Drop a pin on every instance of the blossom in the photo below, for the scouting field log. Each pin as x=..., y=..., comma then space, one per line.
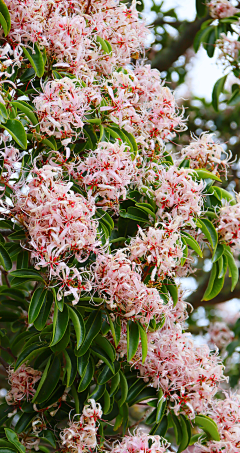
x=229, y=223
x=203, y=152
x=161, y=248
x=141, y=442
x=220, y=334
x=59, y=222
x=221, y=8
x=118, y=281
x=61, y=108
x=188, y=374
x=22, y=382
x=178, y=195
x=80, y=436
x=108, y=171
x=226, y=413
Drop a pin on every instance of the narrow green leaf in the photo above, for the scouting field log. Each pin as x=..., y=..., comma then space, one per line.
x=79, y=325
x=5, y=14
x=43, y=378
x=205, y=174
x=29, y=353
x=144, y=342
x=87, y=376
x=49, y=385
x=209, y=230
x=60, y=323
x=211, y=281
x=218, y=253
x=13, y=438
x=3, y=110
x=28, y=274
x=232, y=266
x=36, y=303
x=24, y=107
x=101, y=354
x=124, y=389
x=17, y=131
x=161, y=408
x=43, y=315
x=201, y=8
x=192, y=243
x=71, y=365
x=132, y=339
x=217, y=90
x=92, y=328
x=186, y=433
x=208, y=425
x=35, y=58
x=106, y=346
x=5, y=259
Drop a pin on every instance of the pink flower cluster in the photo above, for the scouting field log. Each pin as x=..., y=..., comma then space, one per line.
x=80, y=436
x=61, y=107
x=226, y=413
x=220, y=334
x=22, y=382
x=161, y=248
x=221, y=8
x=108, y=171
x=141, y=442
x=118, y=281
x=203, y=152
x=178, y=196
x=229, y=223
x=69, y=30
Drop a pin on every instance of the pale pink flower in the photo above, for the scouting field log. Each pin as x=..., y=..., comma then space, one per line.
x=220, y=334
x=59, y=222
x=204, y=152
x=22, y=382
x=230, y=48
x=80, y=436
x=118, y=282
x=141, y=442
x=229, y=223
x=221, y=8
x=178, y=195
x=108, y=171
x=61, y=108
x=161, y=248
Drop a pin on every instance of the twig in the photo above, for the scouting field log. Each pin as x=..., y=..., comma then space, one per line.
x=4, y=363
x=8, y=350
x=88, y=7
x=6, y=277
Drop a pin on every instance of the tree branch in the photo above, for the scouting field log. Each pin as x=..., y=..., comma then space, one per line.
x=165, y=59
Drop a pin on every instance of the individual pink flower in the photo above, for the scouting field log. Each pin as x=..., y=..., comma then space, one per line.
x=118, y=282
x=178, y=195
x=160, y=247
x=141, y=442
x=108, y=171
x=80, y=436
x=59, y=222
x=22, y=382
x=221, y=8
x=204, y=152
x=220, y=334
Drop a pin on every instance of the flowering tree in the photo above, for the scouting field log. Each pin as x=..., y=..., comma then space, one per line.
x=98, y=223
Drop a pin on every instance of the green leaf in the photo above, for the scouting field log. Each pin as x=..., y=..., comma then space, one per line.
x=177, y=427
x=144, y=342
x=132, y=339
x=161, y=428
x=107, y=402
x=209, y=230
x=217, y=90
x=71, y=366
x=87, y=376
x=205, y=174
x=211, y=281
x=60, y=323
x=48, y=437
x=50, y=384
x=13, y=438
x=224, y=194
x=134, y=214
x=101, y=354
x=106, y=46
x=17, y=131
x=106, y=346
x=79, y=325
x=124, y=389
x=192, y=243
x=92, y=328
x=41, y=320
x=5, y=18
x=82, y=363
x=5, y=259
x=218, y=253
x=115, y=329
x=161, y=408
x=201, y=8
x=186, y=433
x=43, y=378
x=28, y=274
x=63, y=343
x=36, y=303
x=28, y=353
x=201, y=37
x=3, y=110
x=114, y=383
x=35, y=58
x=232, y=266
x=208, y=425
x=23, y=422
x=24, y=107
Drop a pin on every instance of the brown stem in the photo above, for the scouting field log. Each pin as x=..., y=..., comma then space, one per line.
x=88, y=7
x=6, y=277
x=4, y=363
x=8, y=350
